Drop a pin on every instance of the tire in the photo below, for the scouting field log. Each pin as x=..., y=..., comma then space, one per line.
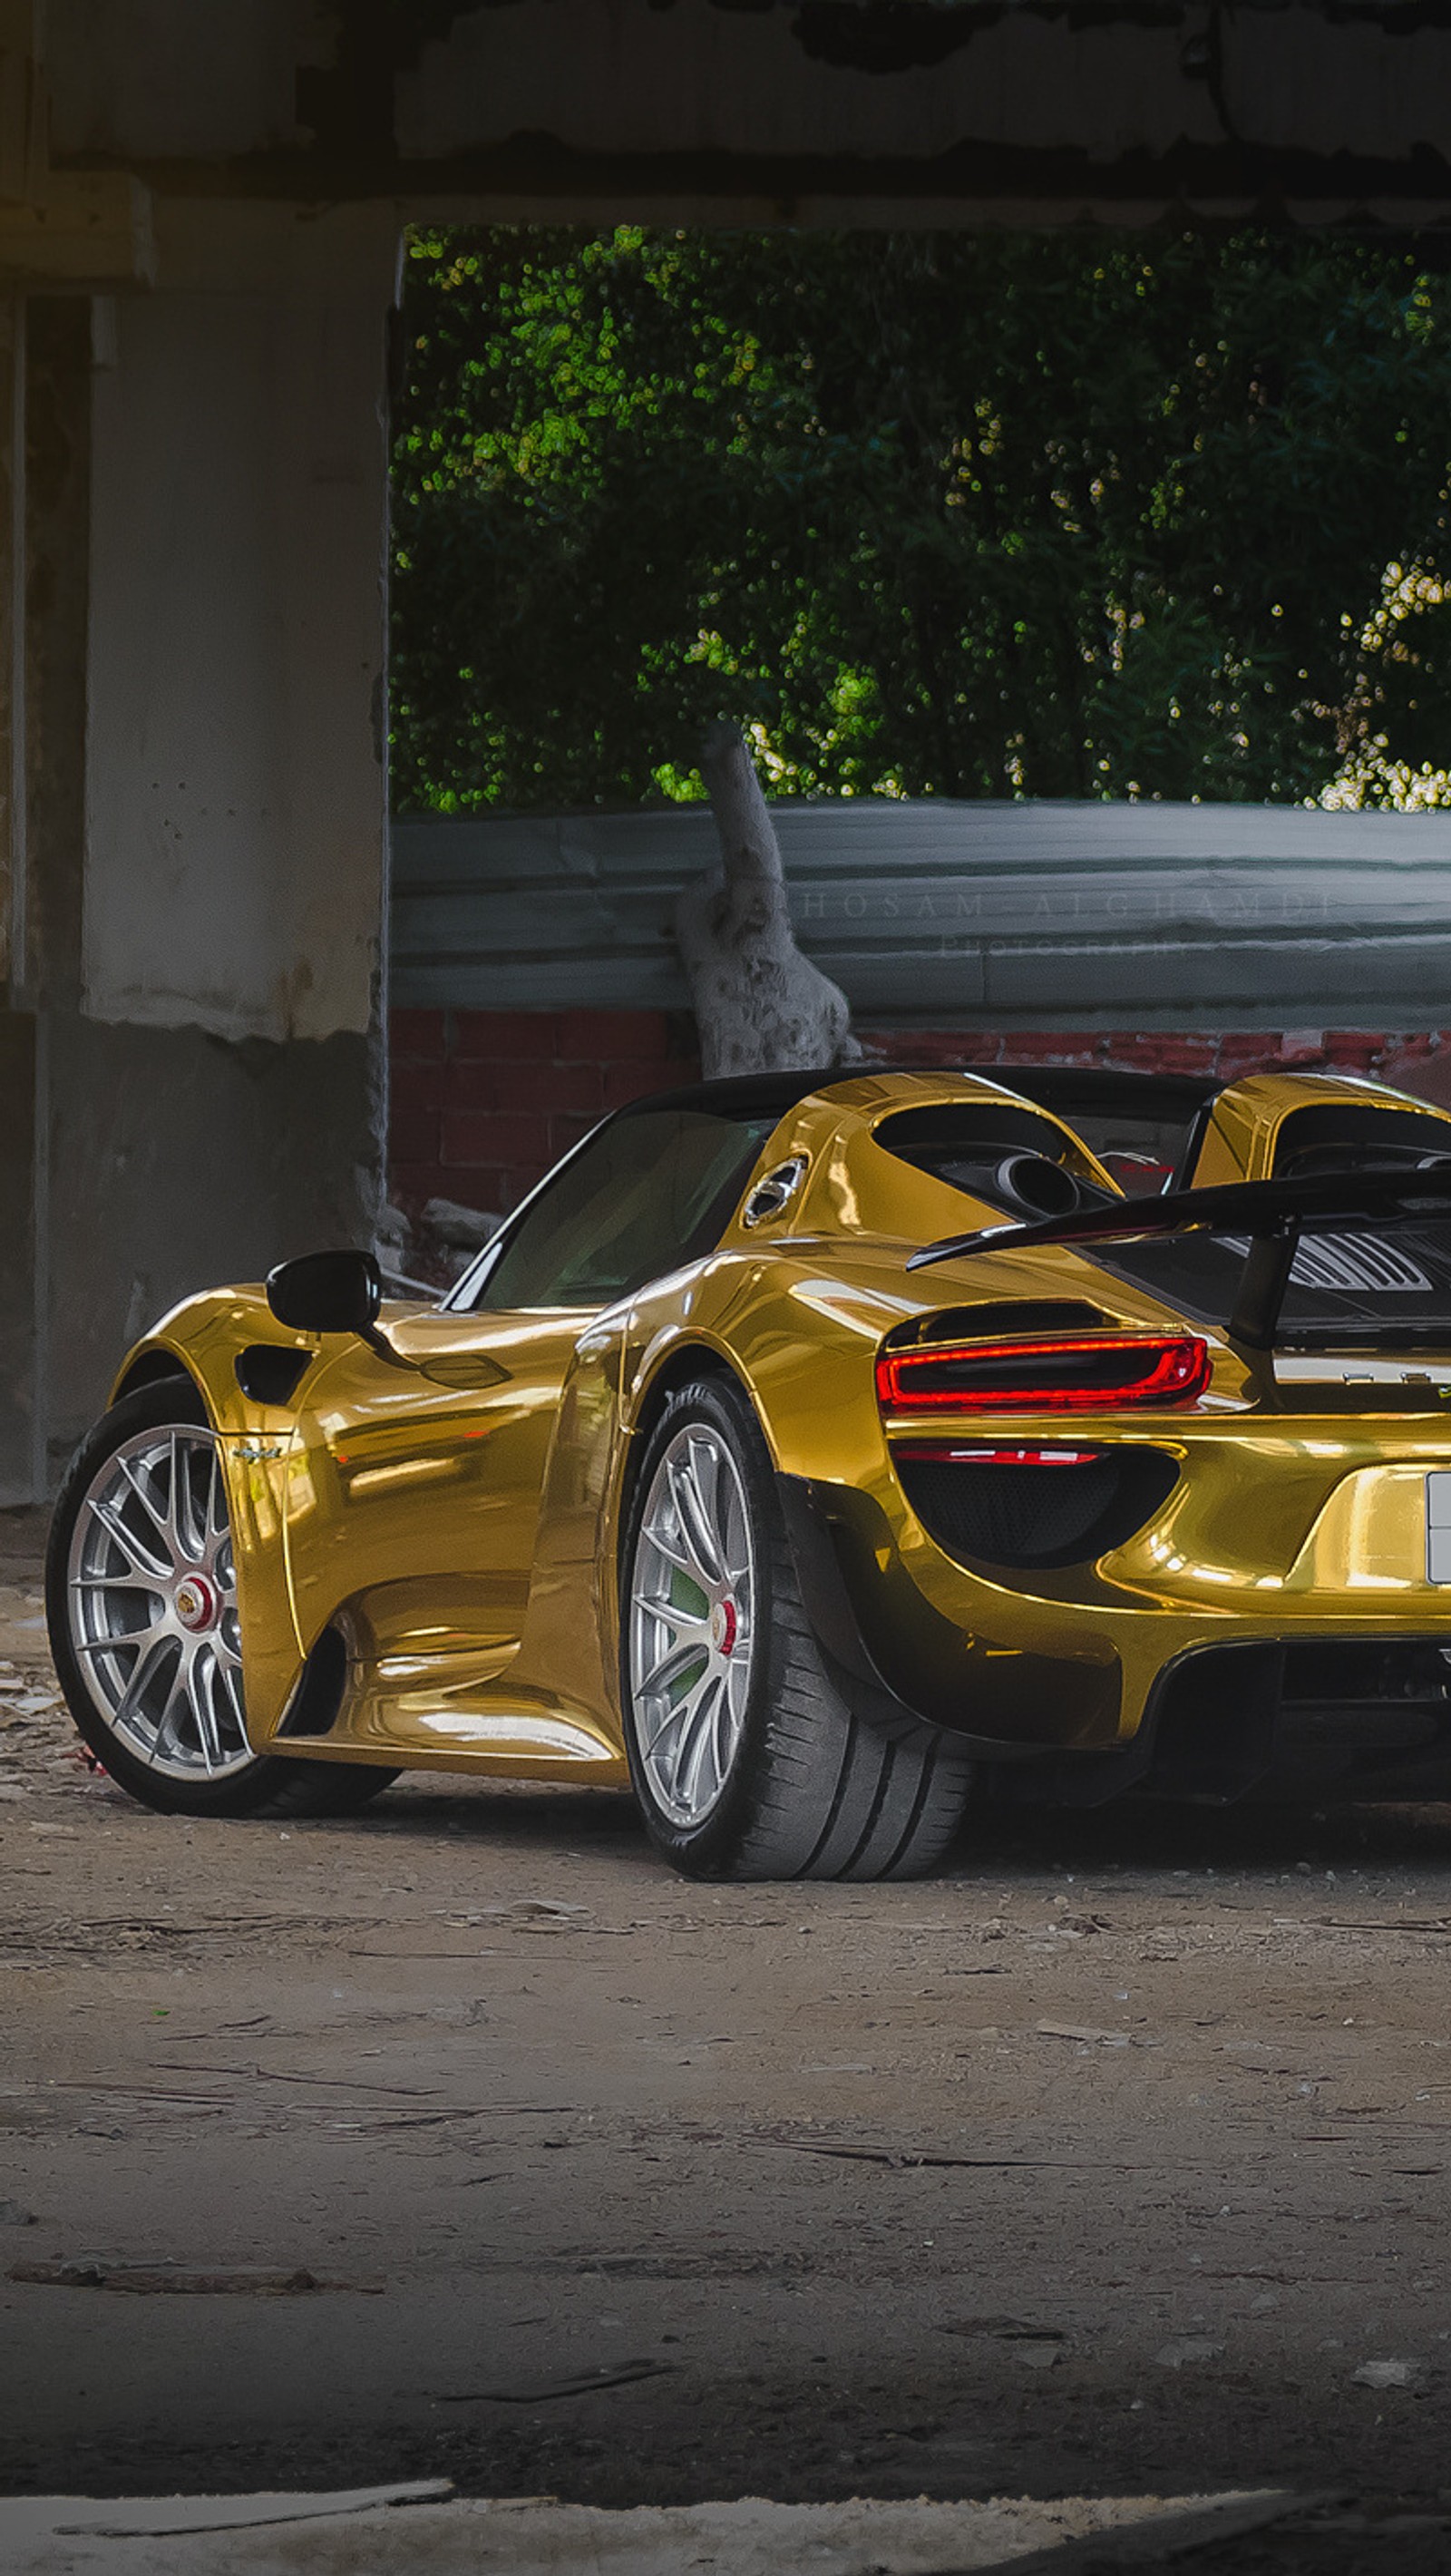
x=142, y=1517
x=746, y=1759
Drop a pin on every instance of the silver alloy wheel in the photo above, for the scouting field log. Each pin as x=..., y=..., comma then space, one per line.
x=153, y=1605
x=692, y=1623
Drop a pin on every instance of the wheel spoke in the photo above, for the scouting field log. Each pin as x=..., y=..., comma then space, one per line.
x=672, y=1548
x=675, y=1662
x=167, y=1739
x=660, y=1606
x=199, y=1683
x=108, y=1643
x=735, y=1546
x=676, y=1715
x=172, y=1504
x=695, y=1528
x=131, y=1547
x=230, y=1683
x=710, y=1477
x=678, y=1621
x=146, y=1500
x=722, y=1499
x=694, y=1748
x=190, y=1541
x=142, y=1674
x=228, y=1652
x=723, y=1730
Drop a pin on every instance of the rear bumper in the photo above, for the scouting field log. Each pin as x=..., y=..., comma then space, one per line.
x=1267, y=1720
x=904, y=1662
x=1152, y=1699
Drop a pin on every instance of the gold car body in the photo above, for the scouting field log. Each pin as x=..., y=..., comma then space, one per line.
x=453, y=1501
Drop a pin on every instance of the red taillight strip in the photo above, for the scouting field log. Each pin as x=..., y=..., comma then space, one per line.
x=1094, y=1373
x=950, y=1453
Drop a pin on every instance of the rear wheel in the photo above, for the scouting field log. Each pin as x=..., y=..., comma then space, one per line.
x=747, y=1760
x=141, y=1602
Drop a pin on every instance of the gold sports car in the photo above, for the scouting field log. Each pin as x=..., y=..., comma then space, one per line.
x=816, y=1453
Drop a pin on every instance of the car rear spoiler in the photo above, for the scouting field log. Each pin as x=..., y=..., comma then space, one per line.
x=1271, y=1214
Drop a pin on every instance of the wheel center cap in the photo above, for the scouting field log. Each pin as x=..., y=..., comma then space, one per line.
x=195, y=1601
x=723, y=1627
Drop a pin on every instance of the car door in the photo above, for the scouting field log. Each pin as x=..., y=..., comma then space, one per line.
x=414, y=1492
x=415, y=1487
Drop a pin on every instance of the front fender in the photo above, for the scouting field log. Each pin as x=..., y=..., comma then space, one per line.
x=204, y=1338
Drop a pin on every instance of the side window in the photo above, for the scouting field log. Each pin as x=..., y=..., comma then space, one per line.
x=645, y=1194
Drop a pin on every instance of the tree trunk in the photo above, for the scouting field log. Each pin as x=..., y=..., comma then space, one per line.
x=761, y=1007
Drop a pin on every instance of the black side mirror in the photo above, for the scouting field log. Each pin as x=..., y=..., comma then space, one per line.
x=327, y=1292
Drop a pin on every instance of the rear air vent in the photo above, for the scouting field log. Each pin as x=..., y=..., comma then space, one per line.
x=988, y=1503
x=318, y=1698
x=1004, y=1315
x=269, y=1373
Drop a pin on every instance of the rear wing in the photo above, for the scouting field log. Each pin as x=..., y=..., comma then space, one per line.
x=1270, y=1215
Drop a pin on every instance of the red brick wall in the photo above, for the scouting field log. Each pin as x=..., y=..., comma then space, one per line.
x=1406, y=1061
x=484, y=1101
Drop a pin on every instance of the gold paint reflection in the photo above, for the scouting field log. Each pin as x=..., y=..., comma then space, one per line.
x=402, y=1471
x=536, y=1738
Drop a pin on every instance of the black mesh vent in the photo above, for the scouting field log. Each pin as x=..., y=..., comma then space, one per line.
x=1002, y=1316
x=1362, y=1672
x=269, y=1373
x=996, y=1514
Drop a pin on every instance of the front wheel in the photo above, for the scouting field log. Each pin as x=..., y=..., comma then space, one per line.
x=141, y=1603
x=747, y=1760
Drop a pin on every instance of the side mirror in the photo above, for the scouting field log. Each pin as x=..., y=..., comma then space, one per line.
x=327, y=1292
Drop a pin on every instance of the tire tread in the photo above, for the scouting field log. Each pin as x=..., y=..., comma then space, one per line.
x=832, y=1793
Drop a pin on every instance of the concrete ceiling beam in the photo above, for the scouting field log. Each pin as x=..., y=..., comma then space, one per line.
x=783, y=111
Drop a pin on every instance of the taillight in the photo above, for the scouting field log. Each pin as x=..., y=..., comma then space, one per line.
x=977, y=1453
x=1098, y=1372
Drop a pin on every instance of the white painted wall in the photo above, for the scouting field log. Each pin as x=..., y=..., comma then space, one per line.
x=235, y=793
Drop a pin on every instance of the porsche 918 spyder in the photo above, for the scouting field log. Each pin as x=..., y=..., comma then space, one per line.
x=816, y=1453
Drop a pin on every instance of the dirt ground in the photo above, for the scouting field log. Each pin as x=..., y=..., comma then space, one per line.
x=1114, y=2161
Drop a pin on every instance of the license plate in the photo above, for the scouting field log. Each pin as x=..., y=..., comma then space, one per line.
x=1438, y=1526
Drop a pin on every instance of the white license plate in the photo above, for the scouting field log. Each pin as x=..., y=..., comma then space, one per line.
x=1438, y=1526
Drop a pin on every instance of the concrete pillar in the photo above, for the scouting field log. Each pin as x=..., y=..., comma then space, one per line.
x=21, y=1286
x=199, y=1021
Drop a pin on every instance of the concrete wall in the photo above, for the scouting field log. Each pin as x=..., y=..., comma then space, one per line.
x=234, y=856
x=192, y=1067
